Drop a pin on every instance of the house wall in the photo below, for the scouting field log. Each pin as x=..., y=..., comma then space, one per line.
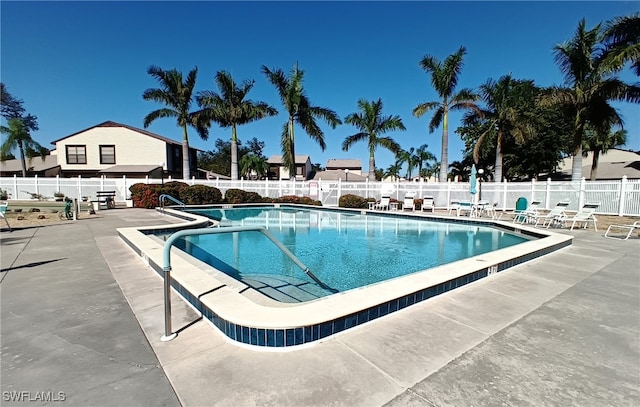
x=132, y=148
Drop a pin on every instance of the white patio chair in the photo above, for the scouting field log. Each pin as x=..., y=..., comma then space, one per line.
x=634, y=226
x=556, y=215
x=584, y=216
x=428, y=204
x=408, y=203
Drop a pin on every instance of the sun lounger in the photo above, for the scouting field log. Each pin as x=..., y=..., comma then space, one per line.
x=634, y=226
x=584, y=216
x=408, y=203
x=3, y=211
x=555, y=217
x=428, y=204
x=384, y=203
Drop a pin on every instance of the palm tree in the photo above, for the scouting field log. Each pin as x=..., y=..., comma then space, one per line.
x=230, y=109
x=393, y=171
x=423, y=156
x=19, y=137
x=622, y=39
x=591, y=86
x=407, y=156
x=300, y=111
x=251, y=163
x=600, y=138
x=444, y=78
x=460, y=170
x=503, y=115
x=176, y=94
x=372, y=125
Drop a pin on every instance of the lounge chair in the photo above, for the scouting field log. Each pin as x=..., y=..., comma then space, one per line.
x=584, y=216
x=384, y=203
x=634, y=226
x=408, y=203
x=428, y=204
x=530, y=214
x=555, y=217
x=465, y=206
x=3, y=211
x=454, y=206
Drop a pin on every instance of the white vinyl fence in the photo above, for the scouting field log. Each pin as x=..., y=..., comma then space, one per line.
x=618, y=197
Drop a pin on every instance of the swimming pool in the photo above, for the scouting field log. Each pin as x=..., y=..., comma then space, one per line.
x=364, y=249
x=248, y=318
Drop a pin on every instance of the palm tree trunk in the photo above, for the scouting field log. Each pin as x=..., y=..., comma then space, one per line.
x=499, y=157
x=576, y=167
x=22, y=159
x=594, y=165
x=234, y=153
x=372, y=168
x=444, y=160
x=292, y=151
x=186, y=167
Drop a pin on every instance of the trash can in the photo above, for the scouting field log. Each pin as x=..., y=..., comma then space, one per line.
x=521, y=206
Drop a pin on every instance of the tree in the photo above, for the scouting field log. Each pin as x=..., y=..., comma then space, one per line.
x=19, y=137
x=300, y=111
x=599, y=140
x=590, y=86
x=230, y=109
x=423, y=156
x=11, y=108
x=177, y=95
x=372, y=125
x=460, y=169
x=393, y=171
x=622, y=41
x=444, y=78
x=407, y=156
x=251, y=164
x=219, y=160
x=507, y=103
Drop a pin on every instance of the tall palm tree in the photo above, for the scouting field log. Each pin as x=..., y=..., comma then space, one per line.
x=407, y=156
x=423, y=156
x=393, y=171
x=590, y=86
x=177, y=95
x=372, y=125
x=622, y=39
x=444, y=78
x=19, y=137
x=230, y=109
x=460, y=169
x=503, y=115
x=300, y=111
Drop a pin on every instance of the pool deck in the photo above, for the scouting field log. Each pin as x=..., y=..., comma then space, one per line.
x=83, y=315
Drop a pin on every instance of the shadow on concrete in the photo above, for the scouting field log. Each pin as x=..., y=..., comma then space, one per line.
x=28, y=265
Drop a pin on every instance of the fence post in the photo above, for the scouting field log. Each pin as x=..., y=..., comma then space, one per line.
x=533, y=189
x=241, y=182
x=581, y=193
x=193, y=180
x=504, y=195
x=623, y=197
x=35, y=184
x=279, y=188
x=398, y=188
x=58, y=183
x=80, y=187
x=266, y=187
x=339, y=188
x=102, y=183
x=124, y=187
x=15, y=186
x=146, y=179
x=547, y=196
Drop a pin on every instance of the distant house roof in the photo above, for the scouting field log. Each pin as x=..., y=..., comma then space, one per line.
x=36, y=164
x=614, y=164
x=141, y=131
x=277, y=159
x=130, y=169
x=212, y=175
x=334, y=175
x=336, y=164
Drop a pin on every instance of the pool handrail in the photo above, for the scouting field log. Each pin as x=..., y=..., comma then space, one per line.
x=166, y=263
x=162, y=197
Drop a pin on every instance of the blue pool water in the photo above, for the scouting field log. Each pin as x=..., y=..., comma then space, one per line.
x=344, y=250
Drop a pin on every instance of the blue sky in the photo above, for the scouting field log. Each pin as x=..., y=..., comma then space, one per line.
x=77, y=64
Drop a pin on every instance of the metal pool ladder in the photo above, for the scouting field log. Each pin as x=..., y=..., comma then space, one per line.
x=166, y=264
x=162, y=197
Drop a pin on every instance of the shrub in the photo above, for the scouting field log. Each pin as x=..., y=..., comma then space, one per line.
x=173, y=188
x=304, y=200
x=417, y=203
x=352, y=201
x=4, y=195
x=234, y=196
x=200, y=194
x=145, y=197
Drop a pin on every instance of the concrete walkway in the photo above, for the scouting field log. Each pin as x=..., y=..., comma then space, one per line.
x=82, y=315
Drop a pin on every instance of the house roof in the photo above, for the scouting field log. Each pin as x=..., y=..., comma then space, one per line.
x=110, y=123
x=50, y=161
x=614, y=164
x=130, y=169
x=335, y=163
x=211, y=175
x=277, y=159
x=334, y=175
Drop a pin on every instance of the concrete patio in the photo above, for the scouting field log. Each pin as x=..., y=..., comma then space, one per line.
x=82, y=317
